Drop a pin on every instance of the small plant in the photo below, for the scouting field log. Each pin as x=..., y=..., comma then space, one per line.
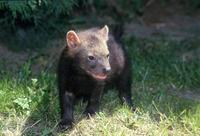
x=23, y=102
x=33, y=11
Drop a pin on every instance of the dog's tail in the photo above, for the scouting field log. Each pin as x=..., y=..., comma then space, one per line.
x=118, y=31
x=118, y=26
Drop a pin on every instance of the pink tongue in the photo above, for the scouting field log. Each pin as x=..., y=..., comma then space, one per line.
x=100, y=76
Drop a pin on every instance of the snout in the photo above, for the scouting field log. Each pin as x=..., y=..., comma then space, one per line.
x=106, y=70
x=100, y=74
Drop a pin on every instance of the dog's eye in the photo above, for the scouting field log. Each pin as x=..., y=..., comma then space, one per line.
x=107, y=56
x=91, y=58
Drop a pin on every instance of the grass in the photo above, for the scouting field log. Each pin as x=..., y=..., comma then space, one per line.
x=29, y=103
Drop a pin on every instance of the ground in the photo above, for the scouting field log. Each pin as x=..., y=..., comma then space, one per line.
x=166, y=86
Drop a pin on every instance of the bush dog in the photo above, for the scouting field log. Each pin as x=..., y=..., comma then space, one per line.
x=91, y=60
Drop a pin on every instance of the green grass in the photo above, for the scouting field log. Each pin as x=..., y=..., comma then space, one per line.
x=29, y=103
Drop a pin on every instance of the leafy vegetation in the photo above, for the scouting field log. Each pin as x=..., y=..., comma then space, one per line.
x=33, y=12
x=29, y=103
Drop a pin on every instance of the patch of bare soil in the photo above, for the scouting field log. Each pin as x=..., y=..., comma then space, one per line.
x=170, y=21
x=12, y=60
x=39, y=60
x=176, y=27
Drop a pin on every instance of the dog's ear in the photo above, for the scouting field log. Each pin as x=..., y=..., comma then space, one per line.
x=104, y=32
x=72, y=39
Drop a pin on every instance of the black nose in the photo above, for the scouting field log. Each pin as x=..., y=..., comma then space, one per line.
x=106, y=70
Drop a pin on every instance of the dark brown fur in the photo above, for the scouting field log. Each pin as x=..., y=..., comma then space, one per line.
x=76, y=71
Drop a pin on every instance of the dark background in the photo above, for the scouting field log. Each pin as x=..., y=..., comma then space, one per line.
x=22, y=19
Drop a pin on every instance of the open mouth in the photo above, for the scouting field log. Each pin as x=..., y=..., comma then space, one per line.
x=99, y=76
